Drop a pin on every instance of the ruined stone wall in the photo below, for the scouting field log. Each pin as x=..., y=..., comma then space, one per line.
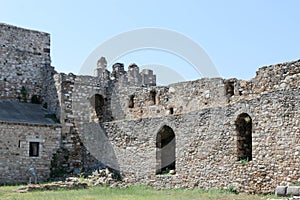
x=14, y=146
x=202, y=115
x=114, y=119
x=206, y=145
x=268, y=78
x=137, y=102
x=76, y=99
x=25, y=66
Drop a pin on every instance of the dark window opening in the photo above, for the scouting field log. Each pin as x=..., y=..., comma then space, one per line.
x=153, y=97
x=165, y=150
x=171, y=111
x=34, y=149
x=19, y=144
x=243, y=125
x=131, y=102
x=229, y=87
x=97, y=102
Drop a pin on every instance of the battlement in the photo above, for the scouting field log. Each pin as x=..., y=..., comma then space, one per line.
x=132, y=77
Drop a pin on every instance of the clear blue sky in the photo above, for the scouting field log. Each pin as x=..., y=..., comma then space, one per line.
x=239, y=36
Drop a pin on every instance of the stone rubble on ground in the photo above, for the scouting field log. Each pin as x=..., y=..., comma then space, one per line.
x=70, y=183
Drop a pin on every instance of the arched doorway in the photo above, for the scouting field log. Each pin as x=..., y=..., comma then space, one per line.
x=165, y=150
x=243, y=126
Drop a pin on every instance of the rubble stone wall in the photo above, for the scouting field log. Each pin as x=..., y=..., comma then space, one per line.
x=202, y=114
x=206, y=146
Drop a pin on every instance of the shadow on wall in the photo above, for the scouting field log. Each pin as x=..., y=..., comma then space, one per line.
x=98, y=145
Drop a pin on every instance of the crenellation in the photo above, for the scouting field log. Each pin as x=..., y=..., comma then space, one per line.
x=134, y=76
x=148, y=78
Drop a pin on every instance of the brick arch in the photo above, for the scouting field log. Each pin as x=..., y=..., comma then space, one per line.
x=165, y=150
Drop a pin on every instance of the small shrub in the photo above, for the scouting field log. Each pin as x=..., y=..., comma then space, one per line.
x=244, y=161
x=36, y=99
x=53, y=117
x=232, y=190
x=24, y=93
x=45, y=105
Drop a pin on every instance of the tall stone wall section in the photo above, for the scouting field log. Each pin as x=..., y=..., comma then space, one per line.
x=14, y=146
x=76, y=98
x=25, y=66
x=206, y=146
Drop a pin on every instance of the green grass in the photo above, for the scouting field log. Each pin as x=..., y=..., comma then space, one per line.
x=134, y=192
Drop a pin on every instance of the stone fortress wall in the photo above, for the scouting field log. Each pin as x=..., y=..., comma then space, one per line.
x=213, y=132
x=203, y=115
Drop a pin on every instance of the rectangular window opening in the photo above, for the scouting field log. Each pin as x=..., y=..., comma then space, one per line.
x=34, y=149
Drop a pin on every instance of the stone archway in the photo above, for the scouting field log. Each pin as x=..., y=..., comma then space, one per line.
x=165, y=150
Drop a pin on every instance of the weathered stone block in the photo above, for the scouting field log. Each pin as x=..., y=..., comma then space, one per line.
x=280, y=190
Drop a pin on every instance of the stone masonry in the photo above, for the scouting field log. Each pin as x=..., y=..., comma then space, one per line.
x=207, y=133
x=14, y=147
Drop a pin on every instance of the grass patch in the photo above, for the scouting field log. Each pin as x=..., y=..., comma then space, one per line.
x=133, y=192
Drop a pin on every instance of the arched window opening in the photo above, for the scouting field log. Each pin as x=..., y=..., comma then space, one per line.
x=165, y=150
x=153, y=97
x=131, y=102
x=97, y=102
x=171, y=110
x=229, y=87
x=243, y=126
